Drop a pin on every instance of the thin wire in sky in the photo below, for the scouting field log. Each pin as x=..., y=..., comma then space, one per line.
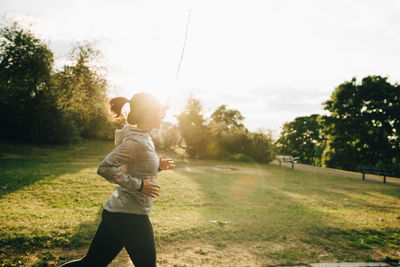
x=178, y=70
x=184, y=44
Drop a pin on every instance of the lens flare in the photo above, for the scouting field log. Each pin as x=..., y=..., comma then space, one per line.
x=246, y=183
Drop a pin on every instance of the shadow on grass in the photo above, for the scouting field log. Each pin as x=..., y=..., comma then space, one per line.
x=23, y=164
x=81, y=236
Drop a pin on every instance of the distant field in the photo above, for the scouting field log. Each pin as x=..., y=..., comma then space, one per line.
x=207, y=215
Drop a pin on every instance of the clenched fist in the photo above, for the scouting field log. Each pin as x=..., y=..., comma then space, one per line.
x=166, y=164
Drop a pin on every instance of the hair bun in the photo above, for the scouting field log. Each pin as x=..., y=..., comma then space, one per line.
x=116, y=105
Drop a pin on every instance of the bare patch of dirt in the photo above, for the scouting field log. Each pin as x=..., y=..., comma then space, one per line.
x=192, y=253
x=181, y=253
x=197, y=253
x=230, y=169
x=194, y=170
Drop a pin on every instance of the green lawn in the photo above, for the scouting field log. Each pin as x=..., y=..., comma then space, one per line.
x=254, y=215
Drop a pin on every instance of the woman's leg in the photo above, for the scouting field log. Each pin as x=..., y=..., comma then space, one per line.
x=136, y=234
x=104, y=248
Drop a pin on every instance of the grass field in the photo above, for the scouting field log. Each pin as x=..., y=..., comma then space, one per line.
x=207, y=215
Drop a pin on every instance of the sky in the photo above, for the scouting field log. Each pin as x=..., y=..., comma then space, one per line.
x=271, y=60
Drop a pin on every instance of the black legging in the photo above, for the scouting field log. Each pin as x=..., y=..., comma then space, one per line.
x=118, y=230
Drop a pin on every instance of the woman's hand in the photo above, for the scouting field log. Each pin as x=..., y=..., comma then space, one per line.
x=166, y=164
x=150, y=189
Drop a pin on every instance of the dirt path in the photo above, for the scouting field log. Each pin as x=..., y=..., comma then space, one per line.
x=197, y=253
x=355, y=175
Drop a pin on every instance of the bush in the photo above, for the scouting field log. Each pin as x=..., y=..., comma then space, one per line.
x=45, y=123
x=168, y=137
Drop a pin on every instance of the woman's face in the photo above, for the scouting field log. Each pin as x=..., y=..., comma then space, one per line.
x=155, y=116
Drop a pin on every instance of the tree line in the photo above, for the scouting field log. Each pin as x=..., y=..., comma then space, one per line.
x=221, y=136
x=362, y=128
x=42, y=104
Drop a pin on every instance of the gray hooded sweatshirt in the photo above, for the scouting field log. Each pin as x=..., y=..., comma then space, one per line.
x=133, y=159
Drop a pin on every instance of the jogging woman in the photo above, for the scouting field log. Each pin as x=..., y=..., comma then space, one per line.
x=132, y=165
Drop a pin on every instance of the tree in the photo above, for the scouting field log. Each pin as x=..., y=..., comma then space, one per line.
x=364, y=124
x=25, y=62
x=191, y=124
x=303, y=138
x=28, y=108
x=228, y=133
x=229, y=118
x=81, y=89
x=259, y=147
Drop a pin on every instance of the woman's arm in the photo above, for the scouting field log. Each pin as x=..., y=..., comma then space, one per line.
x=123, y=154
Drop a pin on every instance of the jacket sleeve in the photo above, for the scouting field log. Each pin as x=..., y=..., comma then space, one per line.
x=124, y=154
